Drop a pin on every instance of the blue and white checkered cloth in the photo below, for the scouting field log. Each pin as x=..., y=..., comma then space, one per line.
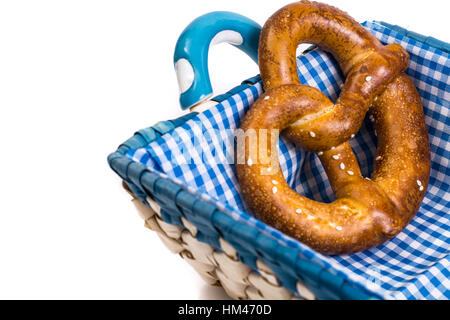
x=413, y=265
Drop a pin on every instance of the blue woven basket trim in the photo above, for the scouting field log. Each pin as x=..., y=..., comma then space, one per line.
x=179, y=121
x=431, y=71
x=250, y=218
x=148, y=180
x=134, y=173
x=224, y=223
x=253, y=80
x=186, y=201
x=286, y=279
x=230, y=93
x=147, y=135
x=120, y=165
x=163, y=127
x=262, y=246
x=112, y=159
x=206, y=238
x=246, y=241
x=166, y=189
x=249, y=260
x=137, y=192
x=203, y=209
x=330, y=281
x=244, y=85
x=169, y=218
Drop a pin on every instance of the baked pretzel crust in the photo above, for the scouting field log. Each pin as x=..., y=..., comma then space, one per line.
x=367, y=212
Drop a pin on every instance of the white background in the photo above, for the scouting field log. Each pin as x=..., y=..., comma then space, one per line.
x=77, y=78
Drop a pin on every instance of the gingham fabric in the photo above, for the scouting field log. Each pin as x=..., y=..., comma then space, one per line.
x=413, y=265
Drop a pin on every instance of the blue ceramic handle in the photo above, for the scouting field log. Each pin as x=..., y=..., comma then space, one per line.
x=191, y=51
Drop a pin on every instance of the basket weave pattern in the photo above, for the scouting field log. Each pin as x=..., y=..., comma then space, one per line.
x=220, y=248
x=253, y=262
x=217, y=268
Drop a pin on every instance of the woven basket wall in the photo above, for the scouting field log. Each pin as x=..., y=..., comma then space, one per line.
x=217, y=268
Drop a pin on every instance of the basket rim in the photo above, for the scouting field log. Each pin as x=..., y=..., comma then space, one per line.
x=144, y=182
x=318, y=275
x=141, y=181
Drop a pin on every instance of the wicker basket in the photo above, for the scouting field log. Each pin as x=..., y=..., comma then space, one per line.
x=224, y=251
x=216, y=267
x=177, y=216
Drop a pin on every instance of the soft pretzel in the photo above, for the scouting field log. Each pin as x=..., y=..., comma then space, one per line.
x=367, y=211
